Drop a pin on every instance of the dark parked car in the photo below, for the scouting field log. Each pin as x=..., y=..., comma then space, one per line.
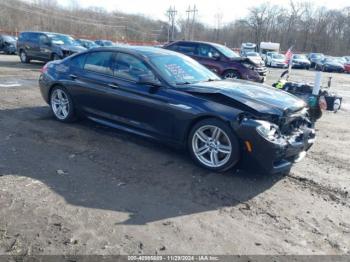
x=88, y=44
x=315, y=58
x=8, y=44
x=221, y=60
x=44, y=46
x=330, y=64
x=168, y=96
x=104, y=43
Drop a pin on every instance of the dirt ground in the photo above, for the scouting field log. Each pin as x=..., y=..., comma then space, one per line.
x=86, y=189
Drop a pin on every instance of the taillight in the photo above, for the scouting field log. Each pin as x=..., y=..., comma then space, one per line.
x=44, y=68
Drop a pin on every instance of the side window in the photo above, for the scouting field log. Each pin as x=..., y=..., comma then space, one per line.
x=99, y=62
x=33, y=37
x=207, y=51
x=173, y=47
x=130, y=67
x=78, y=61
x=43, y=39
x=187, y=48
x=23, y=37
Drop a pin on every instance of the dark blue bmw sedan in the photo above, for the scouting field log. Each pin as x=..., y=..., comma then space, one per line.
x=168, y=96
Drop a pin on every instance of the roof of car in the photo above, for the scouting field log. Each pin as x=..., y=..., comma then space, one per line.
x=139, y=50
x=194, y=42
x=41, y=32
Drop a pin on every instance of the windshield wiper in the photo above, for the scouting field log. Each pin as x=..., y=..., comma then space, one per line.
x=210, y=80
x=183, y=83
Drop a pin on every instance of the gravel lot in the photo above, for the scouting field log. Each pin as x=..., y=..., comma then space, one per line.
x=87, y=189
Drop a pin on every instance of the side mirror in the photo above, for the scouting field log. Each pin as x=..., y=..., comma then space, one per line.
x=216, y=56
x=149, y=80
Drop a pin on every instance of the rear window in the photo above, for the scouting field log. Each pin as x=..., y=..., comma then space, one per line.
x=99, y=62
x=185, y=48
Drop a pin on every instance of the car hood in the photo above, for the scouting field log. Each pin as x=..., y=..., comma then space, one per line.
x=258, y=97
x=256, y=60
x=73, y=48
x=279, y=60
x=301, y=61
x=244, y=59
x=315, y=59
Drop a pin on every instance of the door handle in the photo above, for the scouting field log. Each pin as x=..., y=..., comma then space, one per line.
x=113, y=86
x=73, y=76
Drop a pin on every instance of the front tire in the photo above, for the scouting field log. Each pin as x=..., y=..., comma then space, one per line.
x=213, y=145
x=231, y=74
x=62, y=105
x=24, y=58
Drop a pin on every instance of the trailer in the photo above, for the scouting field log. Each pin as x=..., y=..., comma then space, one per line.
x=248, y=47
x=268, y=47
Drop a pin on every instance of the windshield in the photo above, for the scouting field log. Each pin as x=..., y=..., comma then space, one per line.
x=317, y=56
x=329, y=59
x=278, y=56
x=62, y=39
x=180, y=70
x=252, y=54
x=341, y=59
x=226, y=51
x=107, y=43
x=299, y=57
x=89, y=44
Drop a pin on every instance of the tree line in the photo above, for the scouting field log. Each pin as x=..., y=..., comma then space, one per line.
x=306, y=27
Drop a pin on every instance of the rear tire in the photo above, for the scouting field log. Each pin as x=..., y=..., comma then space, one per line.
x=62, y=105
x=213, y=145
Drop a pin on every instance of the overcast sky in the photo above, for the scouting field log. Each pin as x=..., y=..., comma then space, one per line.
x=230, y=9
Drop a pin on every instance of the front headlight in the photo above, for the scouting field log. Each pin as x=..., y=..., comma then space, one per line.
x=268, y=130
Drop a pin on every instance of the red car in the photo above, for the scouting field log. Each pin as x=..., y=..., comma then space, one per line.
x=221, y=60
x=347, y=68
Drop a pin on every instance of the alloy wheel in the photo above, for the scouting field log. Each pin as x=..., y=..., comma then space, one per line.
x=211, y=146
x=23, y=56
x=60, y=104
x=231, y=75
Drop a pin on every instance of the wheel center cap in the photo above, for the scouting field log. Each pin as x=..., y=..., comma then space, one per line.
x=212, y=145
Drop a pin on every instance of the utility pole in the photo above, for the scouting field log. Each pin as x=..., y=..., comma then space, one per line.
x=194, y=11
x=171, y=13
x=187, y=29
x=126, y=33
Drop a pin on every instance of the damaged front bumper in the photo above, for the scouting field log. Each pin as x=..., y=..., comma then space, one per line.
x=273, y=156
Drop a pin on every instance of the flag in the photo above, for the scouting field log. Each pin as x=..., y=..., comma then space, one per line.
x=289, y=55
